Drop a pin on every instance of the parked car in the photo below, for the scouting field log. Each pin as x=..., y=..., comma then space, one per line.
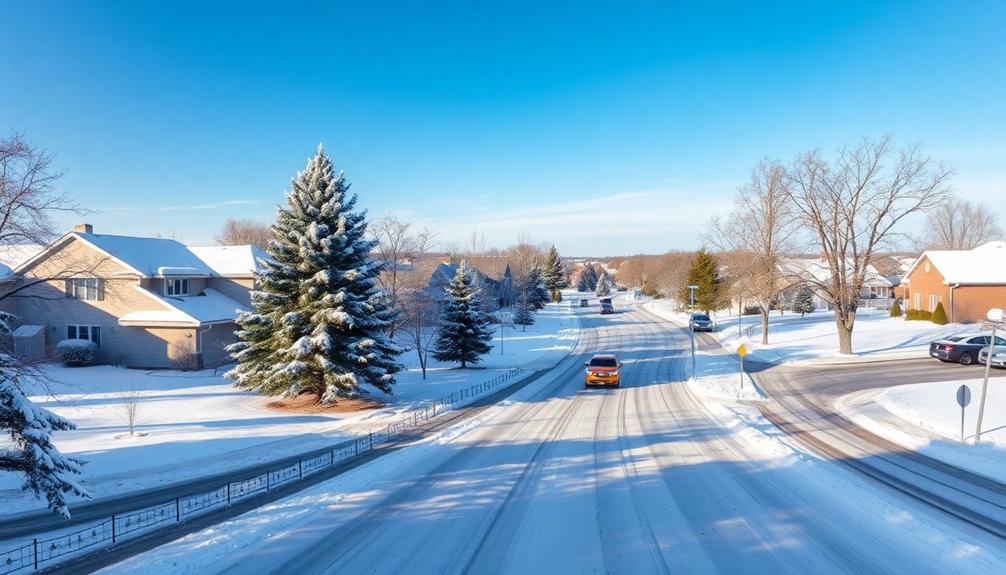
x=583, y=302
x=961, y=349
x=998, y=356
x=602, y=369
x=701, y=322
x=607, y=308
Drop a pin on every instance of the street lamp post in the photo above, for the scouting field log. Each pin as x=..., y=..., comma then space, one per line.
x=995, y=316
x=691, y=328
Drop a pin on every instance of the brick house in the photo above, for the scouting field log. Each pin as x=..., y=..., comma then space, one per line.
x=145, y=302
x=967, y=282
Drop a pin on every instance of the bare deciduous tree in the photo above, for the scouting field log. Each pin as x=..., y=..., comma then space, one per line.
x=959, y=224
x=399, y=249
x=241, y=232
x=130, y=406
x=760, y=230
x=852, y=206
x=28, y=195
x=418, y=310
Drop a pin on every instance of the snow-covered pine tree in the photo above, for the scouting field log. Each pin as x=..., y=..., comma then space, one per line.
x=464, y=330
x=29, y=450
x=803, y=300
x=554, y=275
x=582, y=281
x=537, y=293
x=319, y=323
x=591, y=277
x=523, y=314
x=603, y=285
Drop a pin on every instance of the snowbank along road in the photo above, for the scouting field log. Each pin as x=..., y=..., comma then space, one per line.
x=560, y=479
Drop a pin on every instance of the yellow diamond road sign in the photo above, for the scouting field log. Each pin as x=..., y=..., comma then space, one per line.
x=741, y=350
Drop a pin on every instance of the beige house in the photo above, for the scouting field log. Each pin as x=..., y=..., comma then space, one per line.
x=145, y=302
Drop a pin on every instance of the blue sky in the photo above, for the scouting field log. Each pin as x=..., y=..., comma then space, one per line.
x=604, y=128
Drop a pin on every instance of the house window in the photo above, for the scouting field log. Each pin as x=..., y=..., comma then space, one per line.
x=933, y=300
x=176, y=286
x=89, y=289
x=88, y=332
x=918, y=301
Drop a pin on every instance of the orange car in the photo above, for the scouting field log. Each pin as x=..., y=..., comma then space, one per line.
x=602, y=369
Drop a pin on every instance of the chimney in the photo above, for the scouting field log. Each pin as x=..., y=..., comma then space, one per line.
x=84, y=228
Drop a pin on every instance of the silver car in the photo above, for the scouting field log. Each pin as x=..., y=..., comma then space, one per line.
x=998, y=356
x=701, y=322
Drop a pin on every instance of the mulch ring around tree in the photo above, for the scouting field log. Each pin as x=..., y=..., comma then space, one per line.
x=308, y=403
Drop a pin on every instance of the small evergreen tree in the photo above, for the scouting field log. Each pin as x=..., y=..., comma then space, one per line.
x=464, y=330
x=318, y=323
x=603, y=285
x=940, y=315
x=896, y=309
x=704, y=272
x=582, y=281
x=803, y=300
x=523, y=314
x=554, y=275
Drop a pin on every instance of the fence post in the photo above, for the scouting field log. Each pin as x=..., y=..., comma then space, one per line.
x=113, y=529
x=268, y=481
x=178, y=510
x=35, y=550
x=228, y=494
x=370, y=440
x=300, y=468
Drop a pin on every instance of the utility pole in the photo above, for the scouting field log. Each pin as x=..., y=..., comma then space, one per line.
x=995, y=316
x=691, y=328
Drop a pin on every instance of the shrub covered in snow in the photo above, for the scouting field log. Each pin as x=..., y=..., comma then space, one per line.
x=76, y=351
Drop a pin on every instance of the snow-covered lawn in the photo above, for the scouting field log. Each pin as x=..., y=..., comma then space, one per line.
x=926, y=417
x=194, y=424
x=814, y=337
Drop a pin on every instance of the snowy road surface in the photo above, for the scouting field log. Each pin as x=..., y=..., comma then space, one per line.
x=642, y=479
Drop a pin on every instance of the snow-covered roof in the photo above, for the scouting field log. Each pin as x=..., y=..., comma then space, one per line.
x=146, y=255
x=157, y=257
x=11, y=256
x=817, y=270
x=209, y=307
x=231, y=260
x=985, y=264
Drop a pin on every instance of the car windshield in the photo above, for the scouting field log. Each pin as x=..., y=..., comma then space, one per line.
x=701, y=317
x=603, y=362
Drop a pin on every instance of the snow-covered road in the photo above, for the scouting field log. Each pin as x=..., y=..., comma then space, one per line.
x=642, y=479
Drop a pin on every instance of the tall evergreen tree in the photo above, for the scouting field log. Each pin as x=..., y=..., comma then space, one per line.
x=464, y=330
x=319, y=323
x=803, y=300
x=534, y=288
x=582, y=281
x=603, y=285
x=704, y=272
x=591, y=277
x=554, y=275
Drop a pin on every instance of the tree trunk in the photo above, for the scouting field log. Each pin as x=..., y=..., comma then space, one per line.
x=844, y=320
x=764, y=325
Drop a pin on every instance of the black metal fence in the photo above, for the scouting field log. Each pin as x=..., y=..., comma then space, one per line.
x=44, y=551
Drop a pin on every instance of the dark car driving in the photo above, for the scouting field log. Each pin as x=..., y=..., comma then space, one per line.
x=961, y=349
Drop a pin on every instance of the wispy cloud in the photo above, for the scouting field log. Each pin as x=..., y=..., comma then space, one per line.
x=651, y=217
x=181, y=207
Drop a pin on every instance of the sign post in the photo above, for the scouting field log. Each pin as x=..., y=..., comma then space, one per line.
x=963, y=399
x=742, y=351
x=995, y=315
x=691, y=327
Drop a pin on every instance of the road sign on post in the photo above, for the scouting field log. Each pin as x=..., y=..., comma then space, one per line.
x=742, y=351
x=963, y=399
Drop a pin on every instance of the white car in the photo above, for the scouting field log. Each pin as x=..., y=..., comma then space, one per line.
x=998, y=356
